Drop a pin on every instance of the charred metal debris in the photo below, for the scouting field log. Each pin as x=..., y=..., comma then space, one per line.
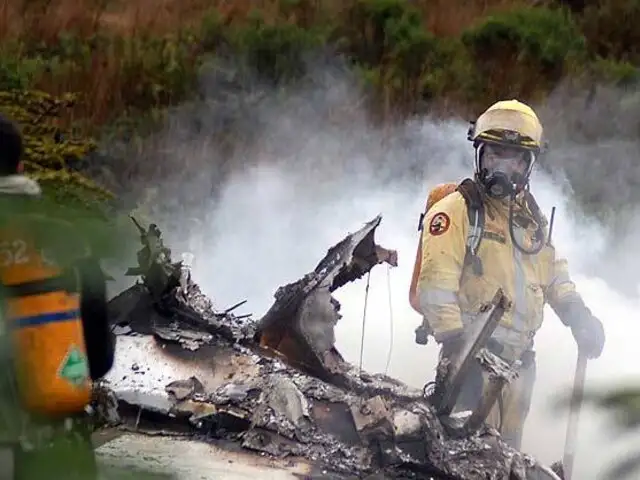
x=279, y=387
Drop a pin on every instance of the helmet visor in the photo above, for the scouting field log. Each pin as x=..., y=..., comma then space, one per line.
x=511, y=161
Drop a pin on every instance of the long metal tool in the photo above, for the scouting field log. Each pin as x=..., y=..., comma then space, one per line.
x=574, y=415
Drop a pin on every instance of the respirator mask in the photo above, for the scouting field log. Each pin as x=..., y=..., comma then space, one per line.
x=503, y=170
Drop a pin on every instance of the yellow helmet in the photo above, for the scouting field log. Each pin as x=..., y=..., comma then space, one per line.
x=508, y=122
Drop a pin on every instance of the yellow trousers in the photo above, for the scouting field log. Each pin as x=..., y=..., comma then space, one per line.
x=509, y=413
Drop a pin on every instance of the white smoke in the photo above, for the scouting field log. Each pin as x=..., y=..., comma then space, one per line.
x=308, y=177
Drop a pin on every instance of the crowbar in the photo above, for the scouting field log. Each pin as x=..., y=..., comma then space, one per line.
x=574, y=413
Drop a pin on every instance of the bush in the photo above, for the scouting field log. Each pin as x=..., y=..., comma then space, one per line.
x=53, y=155
x=119, y=73
x=618, y=73
x=15, y=72
x=396, y=53
x=611, y=29
x=276, y=51
x=526, y=50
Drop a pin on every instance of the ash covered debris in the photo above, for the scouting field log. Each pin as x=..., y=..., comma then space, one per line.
x=169, y=304
x=300, y=323
x=278, y=387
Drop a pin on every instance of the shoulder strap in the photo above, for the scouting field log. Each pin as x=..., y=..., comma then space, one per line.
x=475, y=211
x=533, y=206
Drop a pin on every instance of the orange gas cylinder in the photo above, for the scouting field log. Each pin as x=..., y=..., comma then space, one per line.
x=42, y=315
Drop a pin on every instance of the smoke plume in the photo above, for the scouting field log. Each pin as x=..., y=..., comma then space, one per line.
x=259, y=182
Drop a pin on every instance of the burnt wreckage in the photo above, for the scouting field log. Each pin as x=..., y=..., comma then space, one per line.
x=279, y=388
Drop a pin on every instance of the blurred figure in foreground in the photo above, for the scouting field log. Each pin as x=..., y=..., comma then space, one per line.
x=54, y=333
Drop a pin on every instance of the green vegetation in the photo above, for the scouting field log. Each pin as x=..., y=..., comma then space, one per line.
x=525, y=52
x=72, y=71
x=50, y=151
x=511, y=50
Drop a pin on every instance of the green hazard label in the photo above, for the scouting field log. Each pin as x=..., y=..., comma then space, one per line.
x=74, y=367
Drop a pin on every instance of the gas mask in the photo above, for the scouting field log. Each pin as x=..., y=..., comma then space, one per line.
x=503, y=170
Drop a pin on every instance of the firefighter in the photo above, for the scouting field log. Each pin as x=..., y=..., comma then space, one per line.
x=488, y=233
x=55, y=338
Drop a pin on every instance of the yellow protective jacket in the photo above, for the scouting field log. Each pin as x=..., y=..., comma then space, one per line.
x=450, y=294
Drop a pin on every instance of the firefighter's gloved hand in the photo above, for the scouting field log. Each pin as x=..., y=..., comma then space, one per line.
x=589, y=335
x=452, y=345
x=587, y=329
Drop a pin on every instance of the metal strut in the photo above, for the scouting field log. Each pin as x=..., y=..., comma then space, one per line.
x=386, y=368
x=364, y=319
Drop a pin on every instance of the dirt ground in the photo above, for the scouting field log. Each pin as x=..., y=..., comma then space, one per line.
x=174, y=458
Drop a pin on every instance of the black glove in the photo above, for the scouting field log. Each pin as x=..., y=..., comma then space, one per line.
x=589, y=335
x=586, y=329
x=452, y=345
x=99, y=338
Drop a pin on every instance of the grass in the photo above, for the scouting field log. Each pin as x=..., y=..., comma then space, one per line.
x=109, y=52
x=125, y=61
x=124, y=57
